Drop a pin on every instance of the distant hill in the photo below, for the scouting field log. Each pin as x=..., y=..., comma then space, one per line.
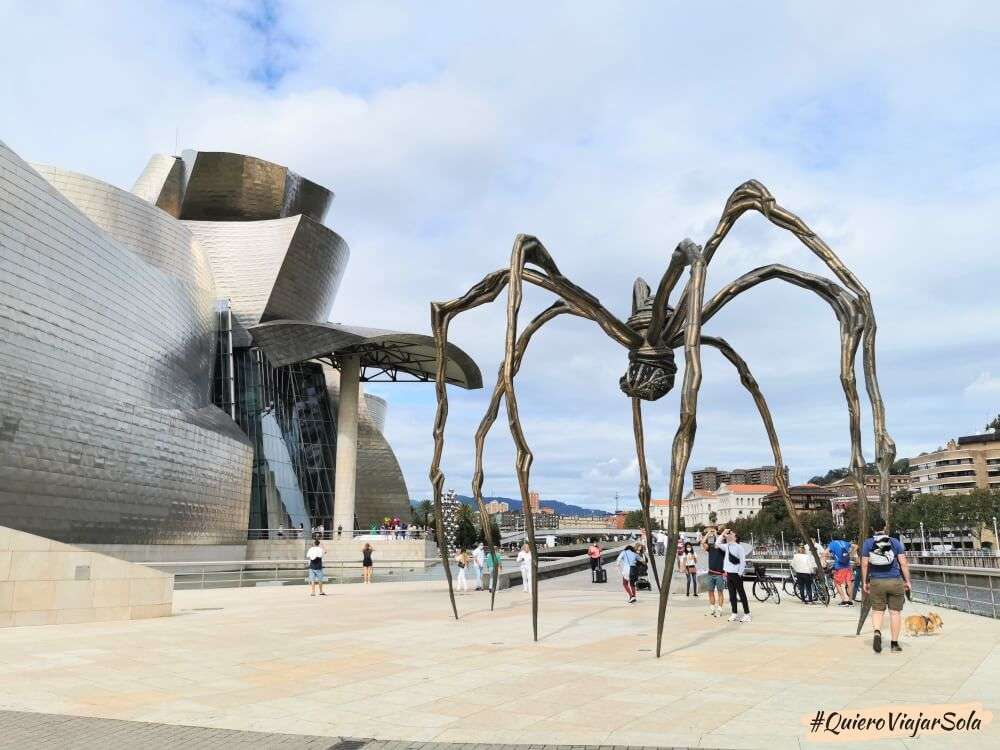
x=562, y=509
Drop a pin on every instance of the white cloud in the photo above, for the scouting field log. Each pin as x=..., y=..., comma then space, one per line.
x=985, y=384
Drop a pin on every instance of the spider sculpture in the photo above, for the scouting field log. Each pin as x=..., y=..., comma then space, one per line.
x=650, y=335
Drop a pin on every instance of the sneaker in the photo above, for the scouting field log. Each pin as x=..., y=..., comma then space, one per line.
x=633, y=600
x=850, y=603
x=894, y=646
x=718, y=611
x=322, y=593
x=733, y=617
x=745, y=618
x=877, y=642
x=711, y=611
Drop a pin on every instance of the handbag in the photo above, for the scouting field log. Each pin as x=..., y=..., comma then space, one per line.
x=733, y=559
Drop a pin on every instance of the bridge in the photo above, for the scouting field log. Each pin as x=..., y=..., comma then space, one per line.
x=509, y=536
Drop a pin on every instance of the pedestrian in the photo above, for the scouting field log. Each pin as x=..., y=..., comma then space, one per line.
x=462, y=559
x=734, y=564
x=367, y=567
x=524, y=562
x=315, y=557
x=716, y=573
x=340, y=529
x=856, y=563
x=838, y=554
x=885, y=575
x=495, y=563
x=281, y=531
x=691, y=569
x=626, y=565
x=478, y=561
x=804, y=568
x=679, y=565
x=594, y=553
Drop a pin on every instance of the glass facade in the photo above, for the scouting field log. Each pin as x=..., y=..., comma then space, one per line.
x=286, y=413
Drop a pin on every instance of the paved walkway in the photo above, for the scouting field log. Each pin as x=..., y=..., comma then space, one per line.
x=388, y=662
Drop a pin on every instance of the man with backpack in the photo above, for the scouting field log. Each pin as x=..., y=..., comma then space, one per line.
x=885, y=573
x=838, y=552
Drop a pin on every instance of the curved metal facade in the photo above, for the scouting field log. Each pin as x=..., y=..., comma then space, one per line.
x=115, y=358
x=107, y=434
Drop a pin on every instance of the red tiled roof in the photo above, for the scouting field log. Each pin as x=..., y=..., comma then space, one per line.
x=659, y=502
x=751, y=489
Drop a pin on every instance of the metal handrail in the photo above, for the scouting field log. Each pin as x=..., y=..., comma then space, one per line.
x=293, y=534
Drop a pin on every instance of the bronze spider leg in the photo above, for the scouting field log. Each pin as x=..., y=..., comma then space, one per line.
x=845, y=307
x=493, y=410
x=644, y=490
x=681, y=451
x=526, y=250
x=752, y=195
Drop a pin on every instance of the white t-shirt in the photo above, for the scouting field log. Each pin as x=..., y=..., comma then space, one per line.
x=524, y=558
x=803, y=563
x=479, y=556
x=314, y=552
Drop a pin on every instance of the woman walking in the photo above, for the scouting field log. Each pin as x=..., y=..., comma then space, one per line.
x=691, y=569
x=524, y=562
x=462, y=558
x=366, y=563
x=734, y=565
x=626, y=563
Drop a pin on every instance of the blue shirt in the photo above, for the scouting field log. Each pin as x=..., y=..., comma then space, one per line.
x=893, y=570
x=836, y=548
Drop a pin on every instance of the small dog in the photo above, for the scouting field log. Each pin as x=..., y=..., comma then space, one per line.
x=926, y=624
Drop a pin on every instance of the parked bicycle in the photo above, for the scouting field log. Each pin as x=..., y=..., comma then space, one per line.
x=821, y=592
x=765, y=586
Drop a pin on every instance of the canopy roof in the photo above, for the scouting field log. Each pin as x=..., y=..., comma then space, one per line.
x=384, y=354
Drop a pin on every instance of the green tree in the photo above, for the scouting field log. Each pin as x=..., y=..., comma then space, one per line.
x=713, y=517
x=633, y=520
x=466, y=535
x=422, y=513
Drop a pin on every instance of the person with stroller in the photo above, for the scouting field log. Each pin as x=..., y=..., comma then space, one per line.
x=626, y=569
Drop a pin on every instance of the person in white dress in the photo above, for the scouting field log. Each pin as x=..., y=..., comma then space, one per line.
x=524, y=562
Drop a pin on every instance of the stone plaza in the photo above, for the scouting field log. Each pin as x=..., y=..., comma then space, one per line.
x=388, y=663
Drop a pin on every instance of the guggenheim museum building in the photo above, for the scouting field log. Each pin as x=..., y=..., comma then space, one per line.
x=168, y=377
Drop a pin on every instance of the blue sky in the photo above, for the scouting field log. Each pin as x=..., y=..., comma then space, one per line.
x=610, y=131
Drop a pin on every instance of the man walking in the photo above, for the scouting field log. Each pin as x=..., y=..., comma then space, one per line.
x=838, y=552
x=315, y=557
x=886, y=576
x=716, y=581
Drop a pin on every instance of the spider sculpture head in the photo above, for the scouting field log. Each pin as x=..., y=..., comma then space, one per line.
x=651, y=368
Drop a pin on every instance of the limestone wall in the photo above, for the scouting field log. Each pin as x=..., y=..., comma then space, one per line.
x=43, y=582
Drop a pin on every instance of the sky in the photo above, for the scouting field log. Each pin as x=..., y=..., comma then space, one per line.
x=610, y=131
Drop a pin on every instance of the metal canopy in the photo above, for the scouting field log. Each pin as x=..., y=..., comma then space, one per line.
x=386, y=356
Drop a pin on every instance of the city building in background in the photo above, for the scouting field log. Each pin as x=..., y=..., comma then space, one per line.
x=729, y=503
x=659, y=513
x=845, y=495
x=804, y=497
x=495, y=506
x=971, y=462
x=534, y=503
x=168, y=379
x=711, y=478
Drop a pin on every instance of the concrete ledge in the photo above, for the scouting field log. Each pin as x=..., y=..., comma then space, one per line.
x=43, y=582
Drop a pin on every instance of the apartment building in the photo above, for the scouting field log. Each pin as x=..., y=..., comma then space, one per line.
x=729, y=503
x=711, y=478
x=971, y=462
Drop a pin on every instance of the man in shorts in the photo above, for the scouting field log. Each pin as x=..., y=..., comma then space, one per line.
x=716, y=581
x=838, y=553
x=886, y=576
x=315, y=557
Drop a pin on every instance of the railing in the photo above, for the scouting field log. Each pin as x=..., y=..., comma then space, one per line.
x=239, y=573
x=292, y=534
x=965, y=588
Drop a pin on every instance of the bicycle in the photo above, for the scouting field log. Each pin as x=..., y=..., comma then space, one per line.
x=821, y=592
x=764, y=587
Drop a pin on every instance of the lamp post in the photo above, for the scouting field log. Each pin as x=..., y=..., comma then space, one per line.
x=782, y=542
x=996, y=539
x=818, y=540
x=923, y=543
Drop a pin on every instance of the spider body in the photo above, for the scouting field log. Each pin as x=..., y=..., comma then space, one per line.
x=650, y=335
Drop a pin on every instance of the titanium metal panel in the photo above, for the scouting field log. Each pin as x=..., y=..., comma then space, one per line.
x=107, y=435
x=288, y=341
x=162, y=183
x=234, y=187
x=272, y=268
